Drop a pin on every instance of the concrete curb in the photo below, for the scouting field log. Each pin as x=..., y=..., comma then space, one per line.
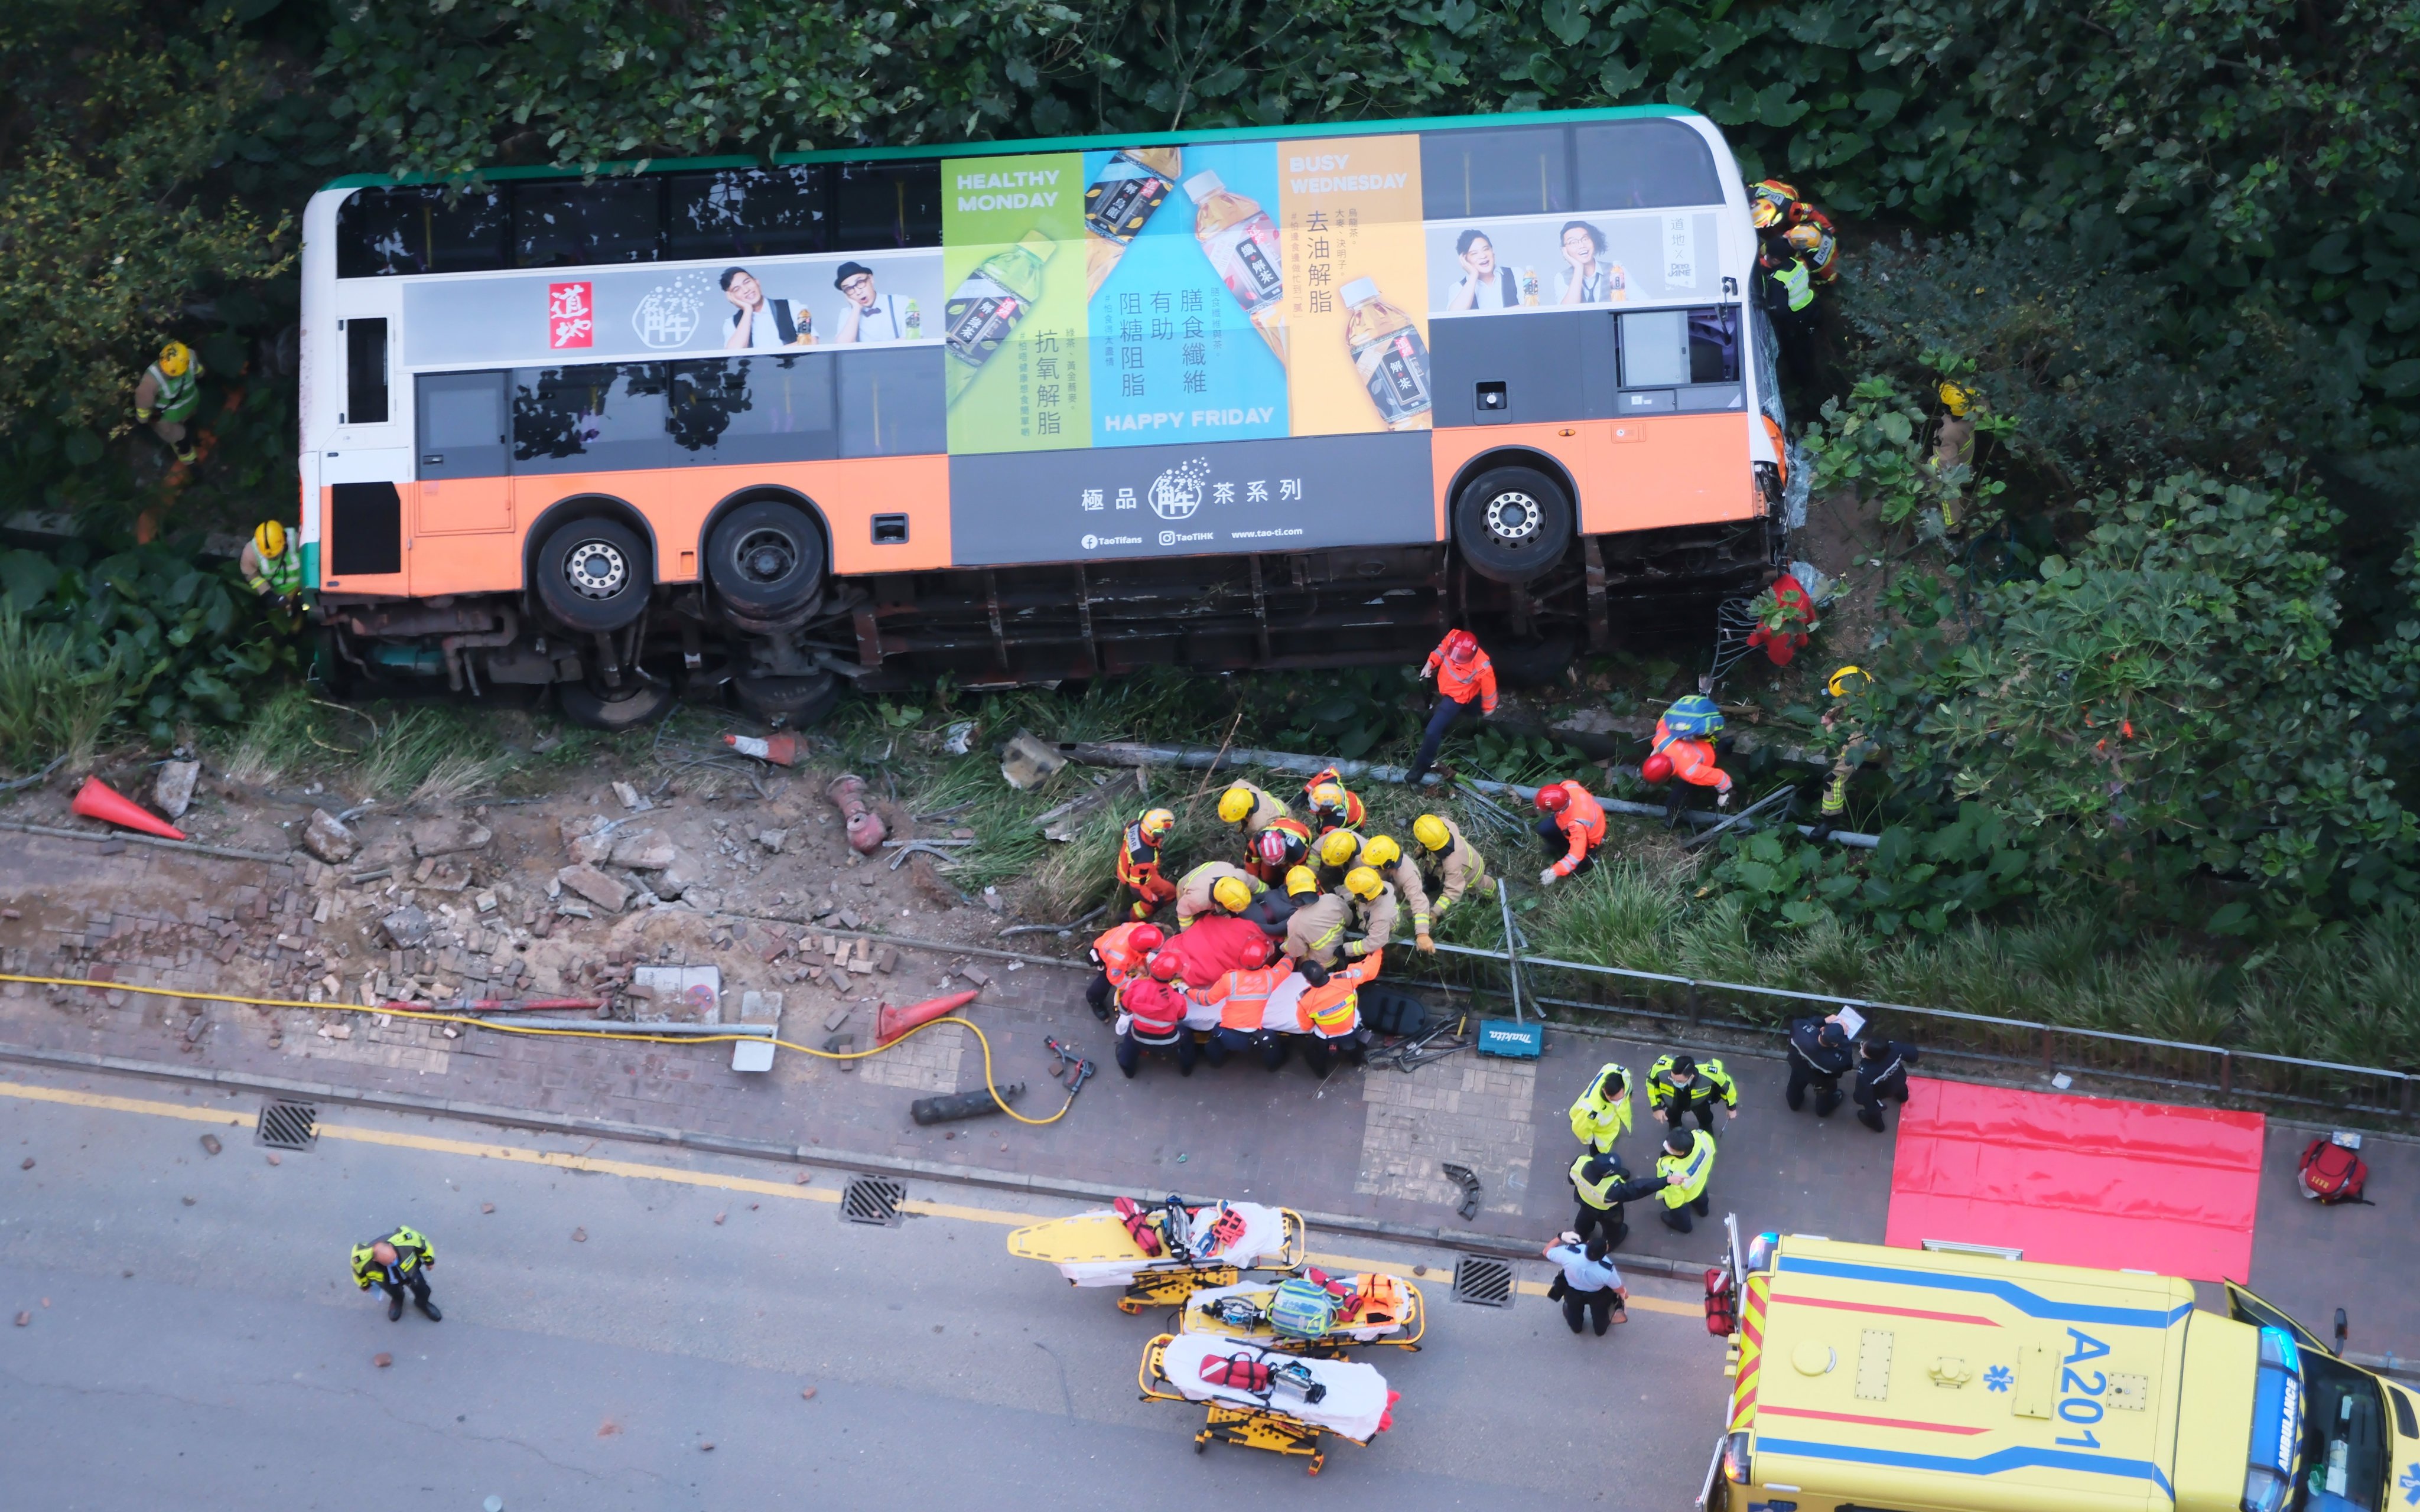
x=1503, y=1247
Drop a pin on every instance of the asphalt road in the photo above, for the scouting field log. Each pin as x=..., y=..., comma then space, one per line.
x=196, y=1341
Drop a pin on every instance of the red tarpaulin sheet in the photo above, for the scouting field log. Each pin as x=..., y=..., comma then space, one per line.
x=2078, y=1180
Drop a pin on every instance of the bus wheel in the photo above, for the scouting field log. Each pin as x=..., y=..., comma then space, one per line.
x=765, y=559
x=1512, y=523
x=642, y=704
x=593, y=574
x=788, y=702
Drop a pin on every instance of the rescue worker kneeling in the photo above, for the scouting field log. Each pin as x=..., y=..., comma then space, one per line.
x=1152, y=1016
x=1121, y=953
x=1324, y=1014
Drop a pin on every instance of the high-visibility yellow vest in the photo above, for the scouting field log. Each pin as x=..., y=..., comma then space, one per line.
x=1595, y=1193
x=1689, y=1173
x=1597, y=1121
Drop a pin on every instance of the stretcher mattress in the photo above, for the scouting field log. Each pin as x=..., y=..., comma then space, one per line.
x=2078, y=1180
x=1355, y=1404
x=1389, y=1307
x=1093, y=1249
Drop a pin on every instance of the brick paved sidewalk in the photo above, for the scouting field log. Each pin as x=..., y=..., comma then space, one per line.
x=1367, y=1143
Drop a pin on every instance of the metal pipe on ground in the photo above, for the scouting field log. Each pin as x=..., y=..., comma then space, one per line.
x=1134, y=753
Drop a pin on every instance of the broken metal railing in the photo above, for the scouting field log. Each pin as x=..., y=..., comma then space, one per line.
x=2230, y=1072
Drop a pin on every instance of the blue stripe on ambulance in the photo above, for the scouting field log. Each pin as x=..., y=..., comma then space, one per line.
x=2032, y=1303
x=1990, y=1464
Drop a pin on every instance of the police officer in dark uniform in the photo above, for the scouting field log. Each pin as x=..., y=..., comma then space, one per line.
x=1603, y=1184
x=1819, y=1056
x=400, y=1263
x=1882, y=1072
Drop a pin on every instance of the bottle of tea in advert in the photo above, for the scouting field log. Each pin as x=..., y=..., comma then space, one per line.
x=1239, y=239
x=1389, y=352
x=1528, y=287
x=978, y=316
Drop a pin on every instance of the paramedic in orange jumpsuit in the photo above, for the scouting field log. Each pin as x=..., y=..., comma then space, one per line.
x=1464, y=676
x=1573, y=822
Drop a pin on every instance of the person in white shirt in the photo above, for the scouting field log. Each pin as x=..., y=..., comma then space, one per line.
x=759, y=322
x=869, y=316
x=1588, y=1284
x=1588, y=279
x=1484, y=286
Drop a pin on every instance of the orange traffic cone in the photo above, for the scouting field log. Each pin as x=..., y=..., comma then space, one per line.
x=98, y=800
x=891, y=1022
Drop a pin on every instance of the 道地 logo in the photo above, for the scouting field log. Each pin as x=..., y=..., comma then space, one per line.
x=1177, y=493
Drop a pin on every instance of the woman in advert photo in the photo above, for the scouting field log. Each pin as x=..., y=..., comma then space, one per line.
x=1484, y=286
x=1588, y=279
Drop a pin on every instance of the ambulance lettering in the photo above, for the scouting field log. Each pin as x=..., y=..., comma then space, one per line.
x=2079, y=1397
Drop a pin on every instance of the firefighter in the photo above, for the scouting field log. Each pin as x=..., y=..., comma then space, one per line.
x=1317, y=931
x=1680, y=1086
x=1459, y=867
x=1121, y=953
x=1250, y=809
x=168, y=393
x=1818, y=1058
x=1601, y=1113
x=1685, y=1167
x=1278, y=849
x=1464, y=676
x=400, y=1263
x=1338, y=852
x=272, y=563
x=1214, y=885
x=1854, y=748
x=1153, y=1018
x=1375, y=909
x=1953, y=443
x=1573, y=822
x=1333, y=806
x=1139, y=861
x=1384, y=855
x=1684, y=747
x=1812, y=238
x=1241, y=997
x=1772, y=204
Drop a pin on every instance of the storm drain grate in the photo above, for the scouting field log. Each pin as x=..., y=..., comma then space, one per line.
x=873, y=1199
x=288, y=1126
x=1482, y=1282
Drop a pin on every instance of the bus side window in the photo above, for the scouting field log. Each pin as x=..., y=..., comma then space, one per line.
x=597, y=417
x=745, y=212
x=1646, y=165
x=365, y=380
x=891, y=402
x=1654, y=349
x=755, y=409
x=878, y=205
x=571, y=224
x=1511, y=170
x=1714, y=345
x=381, y=232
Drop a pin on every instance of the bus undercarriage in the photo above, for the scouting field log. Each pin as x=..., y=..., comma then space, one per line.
x=1005, y=626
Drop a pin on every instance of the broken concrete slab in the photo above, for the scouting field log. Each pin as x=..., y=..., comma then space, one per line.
x=605, y=891
x=678, y=877
x=1027, y=763
x=773, y=839
x=329, y=839
x=406, y=928
x=645, y=851
x=172, y=791
x=449, y=836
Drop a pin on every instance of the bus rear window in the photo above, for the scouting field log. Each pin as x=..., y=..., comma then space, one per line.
x=745, y=213
x=1640, y=166
x=571, y=224
x=422, y=229
x=888, y=205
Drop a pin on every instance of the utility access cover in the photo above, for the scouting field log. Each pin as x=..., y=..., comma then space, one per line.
x=873, y=1199
x=288, y=1126
x=1482, y=1282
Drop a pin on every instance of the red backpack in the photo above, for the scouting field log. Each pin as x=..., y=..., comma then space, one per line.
x=2333, y=1174
x=1722, y=1302
x=1237, y=1372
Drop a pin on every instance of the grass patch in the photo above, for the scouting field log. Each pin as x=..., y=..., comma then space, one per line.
x=52, y=700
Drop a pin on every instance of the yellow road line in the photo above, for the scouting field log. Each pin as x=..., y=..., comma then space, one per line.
x=521, y=1154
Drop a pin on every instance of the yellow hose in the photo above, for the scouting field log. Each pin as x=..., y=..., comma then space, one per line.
x=578, y=1034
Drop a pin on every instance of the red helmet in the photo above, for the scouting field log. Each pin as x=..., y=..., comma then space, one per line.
x=1164, y=966
x=1147, y=937
x=1657, y=767
x=1271, y=847
x=1255, y=954
x=1553, y=799
x=1461, y=645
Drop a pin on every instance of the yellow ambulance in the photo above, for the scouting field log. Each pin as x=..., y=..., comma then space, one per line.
x=1873, y=1379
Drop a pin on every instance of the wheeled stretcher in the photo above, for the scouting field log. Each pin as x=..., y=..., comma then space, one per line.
x=1383, y=1309
x=1223, y=1240
x=1303, y=1399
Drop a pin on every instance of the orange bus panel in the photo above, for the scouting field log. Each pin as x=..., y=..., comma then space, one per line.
x=1639, y=473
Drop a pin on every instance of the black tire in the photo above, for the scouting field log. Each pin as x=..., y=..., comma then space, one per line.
x=766, y=559
x=641, y=703
x=788, y=702
x=1512, y=523
x=593, y=574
